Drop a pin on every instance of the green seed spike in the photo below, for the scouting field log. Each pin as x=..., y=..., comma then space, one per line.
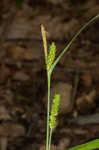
x=51, y=55
x=54, y=110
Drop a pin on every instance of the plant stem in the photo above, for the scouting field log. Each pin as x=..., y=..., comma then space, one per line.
x=50, y=137
x=48, y=110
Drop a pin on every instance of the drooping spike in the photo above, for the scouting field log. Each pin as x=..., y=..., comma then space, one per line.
x=54, y=110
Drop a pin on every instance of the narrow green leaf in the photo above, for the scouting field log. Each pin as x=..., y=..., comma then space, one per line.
x=72, y=40
x=87, y=146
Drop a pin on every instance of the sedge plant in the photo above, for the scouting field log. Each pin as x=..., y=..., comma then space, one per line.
x=51, y=62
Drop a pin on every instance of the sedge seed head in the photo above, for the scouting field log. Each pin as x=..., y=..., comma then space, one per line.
x=51, y=55
x=54, y=110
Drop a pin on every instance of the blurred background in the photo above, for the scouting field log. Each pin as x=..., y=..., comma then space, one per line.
x=23, y=82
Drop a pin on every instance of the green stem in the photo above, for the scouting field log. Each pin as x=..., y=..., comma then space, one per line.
x=72, y=40
x=50, y=137
x=48, y=111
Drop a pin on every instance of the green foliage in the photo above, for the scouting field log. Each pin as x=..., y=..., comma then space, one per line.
x=54, y=111
x=87, y=146
x=19, y=3
x=51, y=55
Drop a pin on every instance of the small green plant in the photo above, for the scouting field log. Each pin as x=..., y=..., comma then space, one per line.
x=52, y=112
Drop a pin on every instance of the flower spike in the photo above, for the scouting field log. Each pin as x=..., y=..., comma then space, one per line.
x=54, y=110
x=51, y=55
